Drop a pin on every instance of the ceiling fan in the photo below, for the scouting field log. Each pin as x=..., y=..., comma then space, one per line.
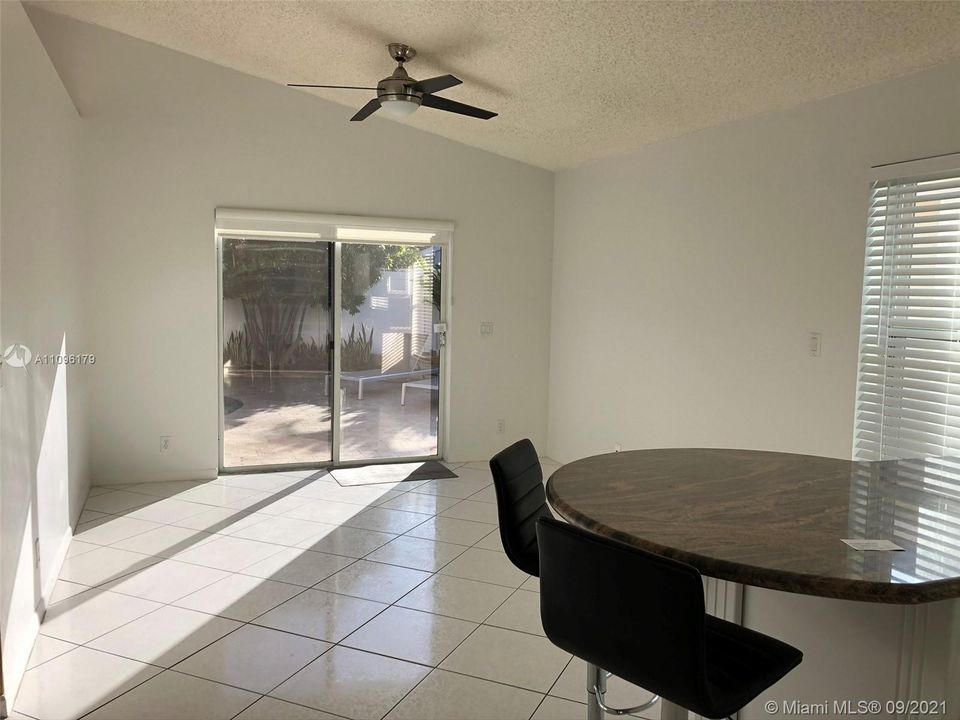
x=400, y=95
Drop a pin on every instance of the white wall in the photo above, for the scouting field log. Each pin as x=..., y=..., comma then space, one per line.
x=688, y=275
x=43, y=475
x=168, y=138
x=686, y=279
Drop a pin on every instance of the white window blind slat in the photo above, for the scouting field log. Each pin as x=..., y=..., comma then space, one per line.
x=908, y=391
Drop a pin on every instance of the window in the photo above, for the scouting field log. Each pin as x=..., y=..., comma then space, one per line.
x=908, y=390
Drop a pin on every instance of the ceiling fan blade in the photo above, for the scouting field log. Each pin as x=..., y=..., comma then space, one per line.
x=367, y=110
x=441, y=103
x=436, y=84
x=337, y=87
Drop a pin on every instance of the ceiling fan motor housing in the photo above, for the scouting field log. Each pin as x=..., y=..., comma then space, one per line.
x=399, y=86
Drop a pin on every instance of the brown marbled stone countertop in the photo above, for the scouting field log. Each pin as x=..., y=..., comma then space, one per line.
x=776, y=520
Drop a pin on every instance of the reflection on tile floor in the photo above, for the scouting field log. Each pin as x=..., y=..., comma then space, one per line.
x=275, y=596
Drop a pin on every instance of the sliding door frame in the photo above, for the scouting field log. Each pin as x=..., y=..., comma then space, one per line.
x=267, y=225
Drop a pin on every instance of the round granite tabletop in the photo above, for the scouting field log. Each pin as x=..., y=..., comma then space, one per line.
x=777, y=520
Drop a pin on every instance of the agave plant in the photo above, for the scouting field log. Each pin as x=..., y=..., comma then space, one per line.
x=356, y=349
x=236, y=350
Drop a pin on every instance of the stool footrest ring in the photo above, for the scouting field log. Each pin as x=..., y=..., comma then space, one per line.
x=622, y=711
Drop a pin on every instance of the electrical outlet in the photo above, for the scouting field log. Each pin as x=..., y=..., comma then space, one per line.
x=501, y=426
x=486, y=327
x=164, y=443
x=36, y=552
x=816, y=344
x=617, y=447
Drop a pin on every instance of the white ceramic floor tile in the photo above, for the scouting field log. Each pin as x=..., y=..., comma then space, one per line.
x=280, y=530
x=411, y=635
x=486, y=566
x=75, y=683
x=392, y=475
x=78, y=548
x=520, y=612
x=325, y=511
x=460, y=487
x=556, y=709
x=100, y=490
x=532, y=584
x=420, y=503
x=473, y=510
x=298, y=567
x=102, y=565
x=321, y=615
x=63, y=590
x=166, y=581
x=571, y=685
x=255, y=500
x=352, y=683
x=388, y=521
x=482, y=466
x=374, y=581
x=172, y=695
x=164, y=637
x=279, y=503
x=216, y=494
x=318, y=475
x=163, y=489
x=222, y=521
x=347, y=541
x=416, y=553
x=47, y=648
x=239, y=597
x=451, y=530
x=254, y=658
x=487, y=495
x=165, y=541
x=491, y=542
x=361, y=495
x=88, y=515
x=261, y=482
x=228, y=553
x=456, y=597
x=82, y=617
x=271, y=709
x=449, y=696
x=509, y=657
x=117, y=501
x=168, y=510
x=109, y=529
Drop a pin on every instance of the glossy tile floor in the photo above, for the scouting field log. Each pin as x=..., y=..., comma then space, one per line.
x=285, y=596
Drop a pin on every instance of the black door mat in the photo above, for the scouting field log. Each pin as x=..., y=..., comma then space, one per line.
x=392, y=473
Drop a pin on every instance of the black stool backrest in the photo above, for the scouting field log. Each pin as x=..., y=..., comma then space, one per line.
x=630, y=612
x=521, y=501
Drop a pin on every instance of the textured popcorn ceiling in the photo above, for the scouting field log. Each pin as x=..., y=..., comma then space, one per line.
x=572, y=81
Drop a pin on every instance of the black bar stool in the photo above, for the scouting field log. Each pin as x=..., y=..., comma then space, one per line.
x=641, y=616
x=521, y=501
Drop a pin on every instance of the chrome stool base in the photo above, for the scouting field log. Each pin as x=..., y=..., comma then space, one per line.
x=597, y=689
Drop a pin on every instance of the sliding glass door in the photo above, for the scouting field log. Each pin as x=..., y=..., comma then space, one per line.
x=391, y=344
x=291, y=396
x=277, y=330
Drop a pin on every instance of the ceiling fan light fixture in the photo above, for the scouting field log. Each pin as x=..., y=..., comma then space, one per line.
x=399, y=107
x=399, y=95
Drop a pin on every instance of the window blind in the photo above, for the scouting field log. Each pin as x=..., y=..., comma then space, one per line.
x=908, y=391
